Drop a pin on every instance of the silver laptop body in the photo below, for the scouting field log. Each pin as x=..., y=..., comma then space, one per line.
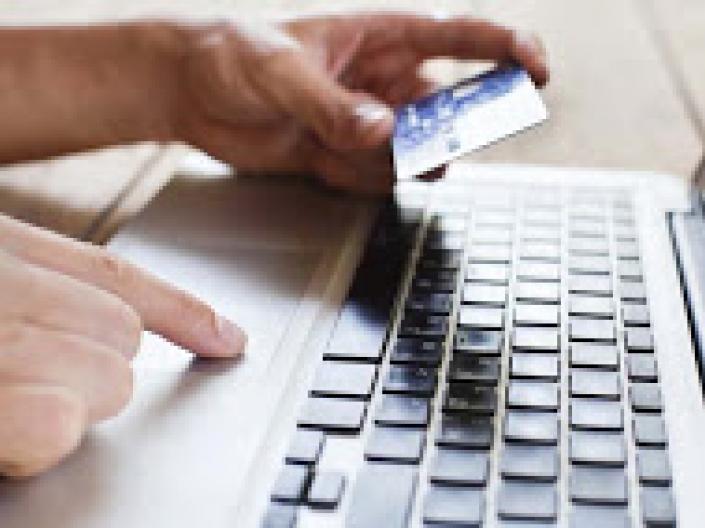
x=206, y=443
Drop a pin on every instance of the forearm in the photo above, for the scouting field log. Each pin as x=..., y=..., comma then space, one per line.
x=69, y=89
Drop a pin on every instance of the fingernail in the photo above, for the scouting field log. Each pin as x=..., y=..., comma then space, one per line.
x=372, y=113
x=232, y=338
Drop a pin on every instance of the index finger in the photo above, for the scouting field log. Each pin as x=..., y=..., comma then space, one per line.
x=467, y=38
x=166, y=310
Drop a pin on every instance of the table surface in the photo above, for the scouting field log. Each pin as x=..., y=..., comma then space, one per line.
x=628, y=91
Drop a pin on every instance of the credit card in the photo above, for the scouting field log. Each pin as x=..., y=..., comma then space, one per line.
x=462, y=118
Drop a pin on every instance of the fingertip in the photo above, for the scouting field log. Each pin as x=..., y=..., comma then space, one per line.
x=530, y=52
x=233, y=339
x=221, y=338
x=374, y=123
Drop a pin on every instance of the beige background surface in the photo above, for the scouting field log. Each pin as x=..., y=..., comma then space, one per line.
x=628, y=91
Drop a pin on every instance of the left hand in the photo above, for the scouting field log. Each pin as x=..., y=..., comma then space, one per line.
x=316, y=95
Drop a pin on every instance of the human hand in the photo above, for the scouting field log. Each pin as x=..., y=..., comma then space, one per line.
x=70, y=321
x=316, y=95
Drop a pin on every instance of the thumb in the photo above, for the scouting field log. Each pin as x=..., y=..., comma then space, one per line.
x=342, y=119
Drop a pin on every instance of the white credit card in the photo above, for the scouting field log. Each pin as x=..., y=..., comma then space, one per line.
x=462, y=118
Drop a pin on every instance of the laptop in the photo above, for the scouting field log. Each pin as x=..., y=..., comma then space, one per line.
x=510, y=347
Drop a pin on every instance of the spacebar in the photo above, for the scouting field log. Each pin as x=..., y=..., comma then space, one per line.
x=382, y=496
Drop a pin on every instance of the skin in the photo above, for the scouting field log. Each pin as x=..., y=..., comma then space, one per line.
x=312, y=96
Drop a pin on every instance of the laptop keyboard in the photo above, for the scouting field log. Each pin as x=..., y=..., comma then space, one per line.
x=506, y=378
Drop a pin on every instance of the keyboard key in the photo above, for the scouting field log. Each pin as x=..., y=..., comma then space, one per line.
x=596, y=415
x=465, y=431
x=484, y=294
x=444, y=240
x=539, y=339
x=642, y=367
x=544, y=252
x=582, y=329
x=628, y=250
x=589, y=265
x=543, y=366
x=598, y=449
x=454, y=506
x=645, y=397
x=587, y=211
x=598, y=485
x=653, y=467
x=487, y=273
x=483, y=318
x=537, y=395
x=657, y=507
x=435, y=282
x=589, y=246
x=437, y=303
x=347, y=380
x=591, y=306
x=441, y=259
x=538, y=463
x=495, y=218
x=480, y=342
x=588, y=229
x=484, y=236
x=382, y=496
x=531, y=427
x=467, y=397
x=635, y=314
x=401, y=410
x=305, y=447
x=542, y=217
x=629, y=270
x=594, y=356
x=395, y=444
x=639, y=339
x=460, y=467
x=586, y=383
x=632, y=291
x=360, y=332
x=478, y=370
x=590, y=285
x=624, y=232
x=536, y=315
x=649, y=430
x=590, y=516
x=326, y=490
x=408, y=379
x=490, y=253
x=421, y=324
x=538, y=271
x=280, y=515
x=528, y=501
x=291, y=484
x=332, y=414
x=444, y=276
x=417, y=351
x=540, y=292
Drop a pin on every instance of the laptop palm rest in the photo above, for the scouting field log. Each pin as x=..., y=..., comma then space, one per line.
x=262, y=253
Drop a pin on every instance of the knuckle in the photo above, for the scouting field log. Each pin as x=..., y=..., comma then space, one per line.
x=113, y=269
x=132, y=326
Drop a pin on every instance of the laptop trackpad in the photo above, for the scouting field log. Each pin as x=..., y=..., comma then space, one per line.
x=178, y=454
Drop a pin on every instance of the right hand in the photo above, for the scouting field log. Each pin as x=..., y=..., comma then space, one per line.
x=71, y=318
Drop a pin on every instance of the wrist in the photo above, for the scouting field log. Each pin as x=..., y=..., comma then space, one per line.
x=159, y=49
